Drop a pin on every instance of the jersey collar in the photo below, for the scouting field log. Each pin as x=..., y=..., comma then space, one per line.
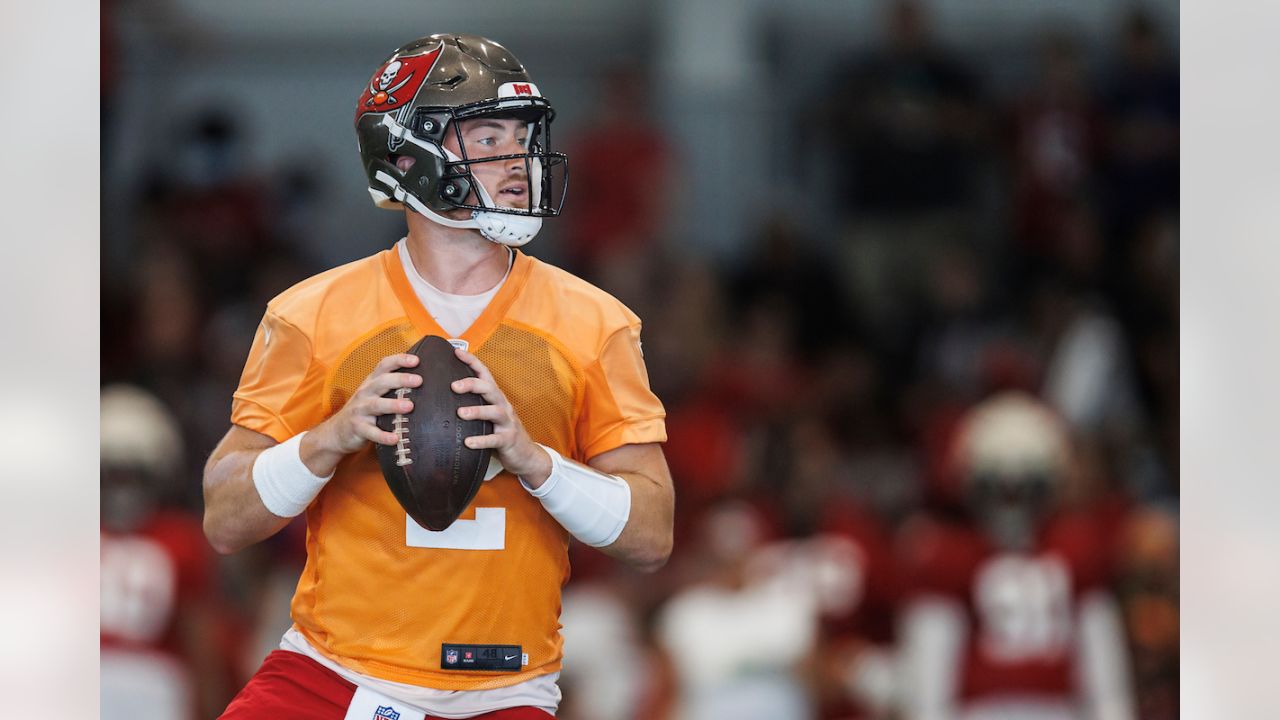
x=489, y=318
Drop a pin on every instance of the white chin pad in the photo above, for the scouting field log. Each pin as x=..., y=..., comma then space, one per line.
x=504, y=228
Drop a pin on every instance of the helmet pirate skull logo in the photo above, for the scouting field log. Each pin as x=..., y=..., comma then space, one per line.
x=389, y=74
x=382, y=90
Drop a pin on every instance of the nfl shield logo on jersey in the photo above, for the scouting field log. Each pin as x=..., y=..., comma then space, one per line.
x=385, y=712
x=451, y=657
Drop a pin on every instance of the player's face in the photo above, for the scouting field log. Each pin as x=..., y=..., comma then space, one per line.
x=506, y=181
x=1011, y=509
x=127, y=499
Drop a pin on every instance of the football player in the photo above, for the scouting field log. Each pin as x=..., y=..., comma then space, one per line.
x=161, y=657
x=1011, y=616
x=392, y=620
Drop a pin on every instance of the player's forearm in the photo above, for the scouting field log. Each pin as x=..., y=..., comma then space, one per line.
x=646, y=540
x=1102, y=663
x=234, y=514
x=932, y=634
x=618, y=503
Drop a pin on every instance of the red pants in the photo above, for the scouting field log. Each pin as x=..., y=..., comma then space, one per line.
x=291, y=686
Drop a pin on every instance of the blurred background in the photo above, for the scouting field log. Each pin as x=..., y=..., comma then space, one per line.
x=909, y=279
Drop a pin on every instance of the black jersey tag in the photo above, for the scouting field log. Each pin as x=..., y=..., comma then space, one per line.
x=503, y=658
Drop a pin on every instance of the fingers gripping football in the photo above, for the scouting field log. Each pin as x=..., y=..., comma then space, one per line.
x=509, y=440
x=355, y=424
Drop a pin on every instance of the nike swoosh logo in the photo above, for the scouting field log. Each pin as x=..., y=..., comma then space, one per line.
x=513, y=657
x=266, y=334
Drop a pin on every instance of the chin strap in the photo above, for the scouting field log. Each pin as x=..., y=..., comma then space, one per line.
x=501, y=228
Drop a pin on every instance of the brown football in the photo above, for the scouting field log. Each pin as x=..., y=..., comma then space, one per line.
x=430, y=470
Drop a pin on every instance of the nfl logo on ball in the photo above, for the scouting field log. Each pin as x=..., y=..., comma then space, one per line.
x=451, y=657
x=384, y=712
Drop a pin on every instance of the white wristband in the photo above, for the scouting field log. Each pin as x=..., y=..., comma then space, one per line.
x=591, y=505
x=284, y=483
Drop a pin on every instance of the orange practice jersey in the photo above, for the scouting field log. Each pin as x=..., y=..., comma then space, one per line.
x=379, y=594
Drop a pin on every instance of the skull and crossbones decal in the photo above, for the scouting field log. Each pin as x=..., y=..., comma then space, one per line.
x=382, y=90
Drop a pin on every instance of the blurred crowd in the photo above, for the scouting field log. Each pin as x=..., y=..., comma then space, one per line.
x=926, y=458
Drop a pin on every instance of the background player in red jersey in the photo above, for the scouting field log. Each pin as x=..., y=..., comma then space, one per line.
x=163, y=654
x=1010, y=615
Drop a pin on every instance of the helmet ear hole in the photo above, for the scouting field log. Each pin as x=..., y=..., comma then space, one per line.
x=401, y=162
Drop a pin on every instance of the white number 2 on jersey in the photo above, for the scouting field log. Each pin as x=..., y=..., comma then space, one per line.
x=487, y=532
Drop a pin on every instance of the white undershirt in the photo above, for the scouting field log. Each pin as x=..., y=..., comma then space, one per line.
x=454, y=313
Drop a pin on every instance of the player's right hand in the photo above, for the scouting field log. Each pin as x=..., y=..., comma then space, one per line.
x=355, y=425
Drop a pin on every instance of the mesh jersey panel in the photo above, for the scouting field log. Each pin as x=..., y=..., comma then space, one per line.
x=539, y=380
x=356, y=366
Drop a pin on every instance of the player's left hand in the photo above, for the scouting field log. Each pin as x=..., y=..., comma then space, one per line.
x=517, y=452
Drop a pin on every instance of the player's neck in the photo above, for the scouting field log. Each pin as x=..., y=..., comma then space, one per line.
x=455, y=260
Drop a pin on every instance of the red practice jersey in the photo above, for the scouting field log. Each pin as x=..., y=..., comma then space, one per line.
x=1021, y=607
